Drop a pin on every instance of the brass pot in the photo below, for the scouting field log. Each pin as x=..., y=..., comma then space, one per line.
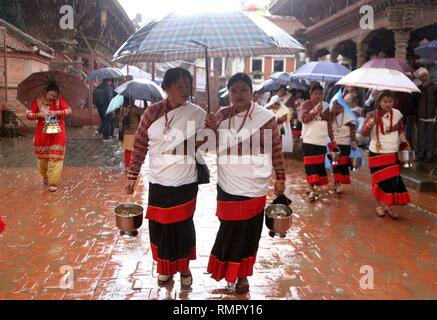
x=335, y=156
x=129, y=218
x=278, y=219
x=407, y=157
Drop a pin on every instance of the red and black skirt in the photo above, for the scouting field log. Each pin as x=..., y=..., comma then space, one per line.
x=171, y=227
x=387, y=184
x=241, y=221
x=341, y=170
x=314, y=160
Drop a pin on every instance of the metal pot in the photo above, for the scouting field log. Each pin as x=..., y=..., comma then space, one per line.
x=279, y=219
x=407, y=157
x=129, y=218
x=335, y=156
x=356, y=163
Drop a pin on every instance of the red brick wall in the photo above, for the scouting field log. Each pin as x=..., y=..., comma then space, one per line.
x=267, y=67
x=289, y=65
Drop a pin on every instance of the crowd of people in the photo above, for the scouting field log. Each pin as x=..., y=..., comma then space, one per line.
x=163, y=131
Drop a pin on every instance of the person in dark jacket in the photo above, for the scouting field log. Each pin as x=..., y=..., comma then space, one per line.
x=426, y=114
x=102, y=96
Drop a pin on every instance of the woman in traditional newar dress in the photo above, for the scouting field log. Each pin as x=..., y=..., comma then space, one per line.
x=387, y=132
x=317, y=127
x=344, y=127
x=243, y=179
x=173, y=182
x=50, y=148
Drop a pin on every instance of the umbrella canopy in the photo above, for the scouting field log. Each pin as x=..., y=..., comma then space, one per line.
x=141, y=90
x=321, y=71
x=214, y=34
x=71, y=88
x=389, y=63
x=224, y=34
x=269, y=85
x=428, y=50
x=105, y=73
x=115, y=104
x=281, y=77
x=379, y=79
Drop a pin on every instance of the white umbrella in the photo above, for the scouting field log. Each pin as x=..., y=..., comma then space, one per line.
x=379, y=79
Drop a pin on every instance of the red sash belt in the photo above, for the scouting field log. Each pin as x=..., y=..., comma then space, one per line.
x=383, y=160
x=240, y=210
x=173, y=214
x=312, y=160
x=344, y=161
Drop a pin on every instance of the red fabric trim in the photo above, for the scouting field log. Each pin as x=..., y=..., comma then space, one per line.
x=2, y=225
x=167, y=267
x=311, y=160
x=240, y=210
x=386, y=173
x=339, y=178
x=231, y=270
x=383, y=160
x=173, y=214
x=296, y=132
x=127, y=158
x=391, y=199
x=344, y=161
x=318, y=180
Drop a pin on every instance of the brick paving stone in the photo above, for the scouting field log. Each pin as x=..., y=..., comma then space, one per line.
x=321, y=257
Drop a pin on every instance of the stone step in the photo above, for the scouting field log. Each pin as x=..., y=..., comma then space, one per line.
x=419, y=180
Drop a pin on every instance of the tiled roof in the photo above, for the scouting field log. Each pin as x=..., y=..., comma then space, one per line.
x=19, y=41
x=290, y=24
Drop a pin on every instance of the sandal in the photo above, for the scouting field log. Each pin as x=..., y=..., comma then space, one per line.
x=380, y=211
x=164, y=279
x=242, y=286
x=53, y=188
x=393, y=214
x=312, y=196
x=338, y=189
x=186, y=280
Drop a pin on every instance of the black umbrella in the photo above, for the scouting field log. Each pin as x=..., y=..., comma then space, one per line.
x=105, y=73
x=141, y=90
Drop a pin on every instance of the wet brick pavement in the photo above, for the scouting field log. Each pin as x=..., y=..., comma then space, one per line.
x=320, y=258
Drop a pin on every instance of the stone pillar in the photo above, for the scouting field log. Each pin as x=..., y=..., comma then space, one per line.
x=361, y=53
x=334, y=56
x=401, y=22
x=401, y=43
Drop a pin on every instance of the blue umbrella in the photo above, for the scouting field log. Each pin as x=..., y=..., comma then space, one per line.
x=428, y=50
x=321, y=71
x=269, y=85
x=115, y=104
x=206, y=34
x=281, y=77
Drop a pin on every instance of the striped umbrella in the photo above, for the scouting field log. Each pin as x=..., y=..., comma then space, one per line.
x=208, y=34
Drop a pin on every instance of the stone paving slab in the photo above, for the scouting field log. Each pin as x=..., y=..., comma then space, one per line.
x=320, y=258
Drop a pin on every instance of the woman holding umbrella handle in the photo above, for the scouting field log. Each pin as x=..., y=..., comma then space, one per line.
x=173, y=179
x=386, y=129
x=50, y=148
